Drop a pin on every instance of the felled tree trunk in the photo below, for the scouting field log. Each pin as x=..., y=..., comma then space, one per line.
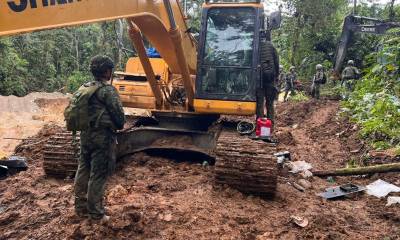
x=393, y=167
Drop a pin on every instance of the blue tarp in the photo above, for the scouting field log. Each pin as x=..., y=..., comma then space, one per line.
x=152, y=53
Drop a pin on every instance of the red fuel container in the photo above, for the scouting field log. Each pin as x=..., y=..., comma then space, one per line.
x=263, y=127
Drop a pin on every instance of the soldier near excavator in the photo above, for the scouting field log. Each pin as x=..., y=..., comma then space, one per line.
x=350, y=75
x=291, y=78
x=281, y=78
x=318, y=79
x=105, y=116
x=269, y=61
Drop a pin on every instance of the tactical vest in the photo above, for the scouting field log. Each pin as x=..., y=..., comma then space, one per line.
x=320, y=77
x=349, y=73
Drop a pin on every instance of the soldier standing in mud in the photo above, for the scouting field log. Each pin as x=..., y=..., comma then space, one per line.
x=98, y=142
x=269, y=73
x=318, y=79
x=291, y=77
x=349, y=76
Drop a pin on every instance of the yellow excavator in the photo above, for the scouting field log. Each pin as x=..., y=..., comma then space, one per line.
x=192, y=92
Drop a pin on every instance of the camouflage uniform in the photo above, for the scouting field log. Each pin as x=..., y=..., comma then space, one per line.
x=317, y=81
x=281, y=78
x=270, y=69
x=97, y=156
x=349, y=76
x=291, y=77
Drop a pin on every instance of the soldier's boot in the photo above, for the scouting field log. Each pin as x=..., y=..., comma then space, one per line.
x=102, y=221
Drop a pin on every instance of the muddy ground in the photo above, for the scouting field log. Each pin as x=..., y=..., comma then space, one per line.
x=156, y=198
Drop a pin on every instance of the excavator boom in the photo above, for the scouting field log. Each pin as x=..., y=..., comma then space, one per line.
x=18, y=16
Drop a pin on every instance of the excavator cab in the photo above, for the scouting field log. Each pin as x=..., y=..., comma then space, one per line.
x=228, y=58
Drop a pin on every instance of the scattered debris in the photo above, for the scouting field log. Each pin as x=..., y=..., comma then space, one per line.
x=3, y=171
x=283, y=156
x=304, y=183
x=299, y=221
x=330, y=179
x=298, y=166
x=383, y=168
x=392, y=200
x=306, y=174
x=2, y=209
x=380, y=188
x=297, y=186
x=15, y=163
x=341, y=191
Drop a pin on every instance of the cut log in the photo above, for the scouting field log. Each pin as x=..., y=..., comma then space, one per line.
x=393, y=167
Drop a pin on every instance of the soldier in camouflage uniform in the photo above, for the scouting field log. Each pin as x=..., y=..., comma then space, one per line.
x=281, y=78
x=349, y=76
x=98, y=142
x=318, y=79
x=291, y=77
x=270, y=69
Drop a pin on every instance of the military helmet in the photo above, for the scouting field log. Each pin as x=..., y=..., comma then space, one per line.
x=100, y=64
x=319, y=67
x=350, y=62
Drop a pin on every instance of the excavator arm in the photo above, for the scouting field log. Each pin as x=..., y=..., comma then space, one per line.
x=360, y=24
x=19, y=16
x=160, y=21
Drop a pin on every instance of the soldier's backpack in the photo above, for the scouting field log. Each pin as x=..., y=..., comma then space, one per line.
x=77, y=112
x=267, y=58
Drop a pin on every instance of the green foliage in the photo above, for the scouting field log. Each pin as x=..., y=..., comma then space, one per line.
x=13, y=70
x=76, y=80
x=57, y=59
x=299, y=97
x=375, y=104
x=309, y=33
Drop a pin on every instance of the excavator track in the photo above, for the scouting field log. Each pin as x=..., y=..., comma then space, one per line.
x=61, y=152
x=60, y=155
x=246, y=165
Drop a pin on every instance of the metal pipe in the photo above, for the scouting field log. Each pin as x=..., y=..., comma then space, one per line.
x=185, y=7
x=180, y=55
x=355, y=7
x=136, y=37
x=170, y=13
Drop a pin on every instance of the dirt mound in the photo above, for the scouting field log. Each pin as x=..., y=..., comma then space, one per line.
x=22, y=117
x=154, y=198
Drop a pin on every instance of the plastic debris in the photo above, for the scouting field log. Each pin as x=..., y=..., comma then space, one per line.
x=306, y=174
x=299, y=221
x=3, y=171
x=341, y=191
x=304, y=183
x=380, y=188
x=299, y=166
x=392, y=200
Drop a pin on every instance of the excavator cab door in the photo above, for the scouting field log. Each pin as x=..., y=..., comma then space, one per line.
x=228, y=59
